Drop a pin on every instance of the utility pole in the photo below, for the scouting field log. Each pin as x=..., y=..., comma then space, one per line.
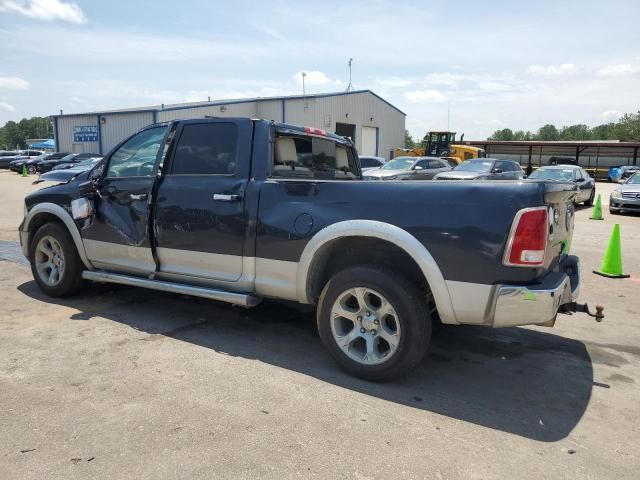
x=350, y=86
x=448, y=105
x=304, y=92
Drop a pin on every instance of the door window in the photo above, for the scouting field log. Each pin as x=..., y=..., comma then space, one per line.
x=422, y=164
x=137, y=156
x=435, y=164
x=206, y=149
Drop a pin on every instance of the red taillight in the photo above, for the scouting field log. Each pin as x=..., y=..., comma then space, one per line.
x=528, y=239
x=315, y=131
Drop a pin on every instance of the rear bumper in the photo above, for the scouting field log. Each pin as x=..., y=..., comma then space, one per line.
x=538, y=304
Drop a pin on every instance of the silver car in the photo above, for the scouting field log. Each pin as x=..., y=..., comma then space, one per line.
x=627, y=196
x=408, y=168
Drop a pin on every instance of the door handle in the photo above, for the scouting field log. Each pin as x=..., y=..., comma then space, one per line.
x=139, y=196
x=222, y=197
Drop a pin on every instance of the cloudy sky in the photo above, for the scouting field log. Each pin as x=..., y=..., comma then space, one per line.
x=493, y=64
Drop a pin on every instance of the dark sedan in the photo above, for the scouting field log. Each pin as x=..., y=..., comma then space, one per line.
x=484, y=169
x=63, y=175
x=72, y=158
x=32, y=163
x=569, y=173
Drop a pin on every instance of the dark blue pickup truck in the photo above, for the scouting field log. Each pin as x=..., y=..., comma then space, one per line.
x=236, y=210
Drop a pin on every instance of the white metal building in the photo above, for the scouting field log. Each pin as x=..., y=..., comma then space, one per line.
x=376, y=126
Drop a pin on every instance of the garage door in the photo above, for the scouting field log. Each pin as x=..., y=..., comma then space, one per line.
x=369, y=143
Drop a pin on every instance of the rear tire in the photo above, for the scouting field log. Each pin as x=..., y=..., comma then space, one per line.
x=55, y=263
x=374, y=322
x=32, y=169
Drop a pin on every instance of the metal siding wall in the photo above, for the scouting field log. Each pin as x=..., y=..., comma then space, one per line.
x=270, y=110
x=362, y=109
x=119, y=126
x=248, y=109
x=65, y=132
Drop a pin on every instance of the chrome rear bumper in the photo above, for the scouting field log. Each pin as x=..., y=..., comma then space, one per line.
x=537, y=304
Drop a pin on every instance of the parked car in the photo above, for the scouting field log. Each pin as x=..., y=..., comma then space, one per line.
x=622, y=173
x=8, y=157
x=32, y=163
x=72, y=158
x=248, y=209
x=484, y=169
x=66, y=171
x=627, y=196
x=369, y=163
x=408, y=168
x=585, y=185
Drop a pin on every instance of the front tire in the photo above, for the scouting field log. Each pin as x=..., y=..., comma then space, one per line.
x=589, y=202
x=55, y=263
x=32, y=169
x=374, y=322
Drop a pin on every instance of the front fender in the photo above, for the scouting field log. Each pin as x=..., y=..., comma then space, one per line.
x=64, y=217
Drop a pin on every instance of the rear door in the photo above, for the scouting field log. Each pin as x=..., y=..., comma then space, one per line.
x=118, y=236
x=199, y=215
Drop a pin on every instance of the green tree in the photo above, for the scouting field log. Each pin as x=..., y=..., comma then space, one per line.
x=14, y=134
x=606, y=131
x=548, y=133
x=628, y=128
x=505, y=134
x=408, y=140
x=575, y=132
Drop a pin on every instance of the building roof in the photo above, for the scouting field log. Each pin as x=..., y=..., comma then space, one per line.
x=213, y=103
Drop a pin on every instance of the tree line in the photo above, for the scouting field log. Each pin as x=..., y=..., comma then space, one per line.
x=13, y=135
x=626, y=129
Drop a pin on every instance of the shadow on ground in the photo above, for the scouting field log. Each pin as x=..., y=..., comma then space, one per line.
x=530, y=383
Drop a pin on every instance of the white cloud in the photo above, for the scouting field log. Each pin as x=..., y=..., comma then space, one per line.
x=552, y=70
x=610, y=115
x=14, y=83
x=619, y=70
x=47, y=10
x=425, y=96
x=315, y=78
x=5, y=107
x=273, y=33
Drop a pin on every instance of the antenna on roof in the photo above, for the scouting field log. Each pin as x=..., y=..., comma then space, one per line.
x=350, y=86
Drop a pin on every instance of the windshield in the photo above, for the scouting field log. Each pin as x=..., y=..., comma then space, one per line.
x=474, y=166
x=553, y=174
x=634, y=179
x=400, y=163
x=68, y=157
x=88, y=163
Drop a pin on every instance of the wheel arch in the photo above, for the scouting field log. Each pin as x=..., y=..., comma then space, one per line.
x=46, y=212
x=322, y=246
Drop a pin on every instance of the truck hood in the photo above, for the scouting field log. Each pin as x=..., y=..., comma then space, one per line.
x=379, y=173
x=453, y=175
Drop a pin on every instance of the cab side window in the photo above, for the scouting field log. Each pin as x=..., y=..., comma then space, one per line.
x=137, y=156
x=206, y=149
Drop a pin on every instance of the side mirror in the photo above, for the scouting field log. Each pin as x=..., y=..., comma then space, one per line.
x=417, y=168
x=497, y=170
x=580, y=180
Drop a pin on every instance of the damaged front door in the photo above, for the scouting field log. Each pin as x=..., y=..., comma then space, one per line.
x=118, y=236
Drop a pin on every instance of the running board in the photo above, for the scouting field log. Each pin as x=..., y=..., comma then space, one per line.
x=241, y=299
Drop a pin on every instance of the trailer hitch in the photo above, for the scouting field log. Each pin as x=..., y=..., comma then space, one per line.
x=573, y=307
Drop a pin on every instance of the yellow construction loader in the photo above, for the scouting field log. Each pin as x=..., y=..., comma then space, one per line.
x=442, y=144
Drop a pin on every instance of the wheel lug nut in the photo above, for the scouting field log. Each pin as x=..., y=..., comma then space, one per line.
x=374, y=332
x=362, y=330
x=376, y=321
x=359, y=319
x=368, y=314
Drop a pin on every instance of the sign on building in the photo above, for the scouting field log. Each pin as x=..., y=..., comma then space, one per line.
x=85, y=134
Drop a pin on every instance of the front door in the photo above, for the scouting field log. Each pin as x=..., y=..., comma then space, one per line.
x=118, y=236
x=200, y=218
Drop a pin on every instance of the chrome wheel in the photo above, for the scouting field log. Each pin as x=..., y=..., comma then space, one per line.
x=49, y=261
x=32, y=170
x=365, y=326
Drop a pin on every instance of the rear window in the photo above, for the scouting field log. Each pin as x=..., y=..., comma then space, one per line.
x=312, y=158
x=367, y=162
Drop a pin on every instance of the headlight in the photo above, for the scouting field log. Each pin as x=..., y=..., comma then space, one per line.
x=390, y=177
x=616, y=194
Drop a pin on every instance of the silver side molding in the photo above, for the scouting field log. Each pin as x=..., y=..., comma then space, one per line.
x=242, y=299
